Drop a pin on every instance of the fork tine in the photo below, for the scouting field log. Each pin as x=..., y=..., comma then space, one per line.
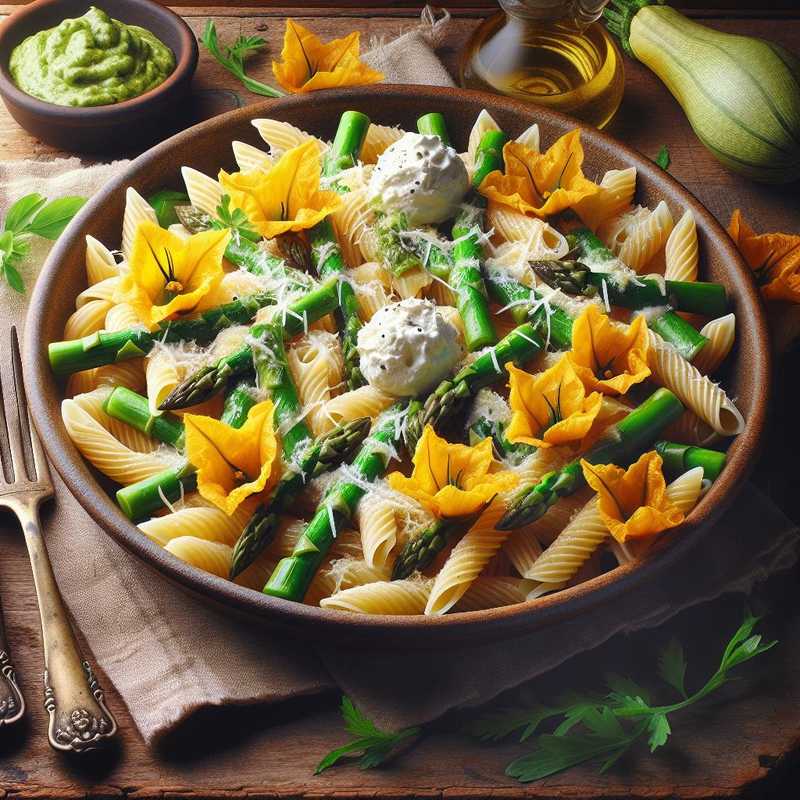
x=6, y=470
x=41, y=470
x=14, y=421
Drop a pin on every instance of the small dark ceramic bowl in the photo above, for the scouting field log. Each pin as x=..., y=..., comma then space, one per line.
x=111, y=128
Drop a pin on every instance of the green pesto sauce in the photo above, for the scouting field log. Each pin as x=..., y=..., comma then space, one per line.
x=92, y=60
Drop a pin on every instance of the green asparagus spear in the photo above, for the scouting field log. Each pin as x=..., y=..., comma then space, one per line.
x=101, y=348
x=293, y=575
x=420, y=551
x=680, y=458
x=323, y=454
x=682, y=335
x=465, y=276
x=620, y=443
x=239, y=399
x=326, y=255
x=694, y=296
x=132, y=408
x=556, y=324
x=449, y=399
x=572, y=277
x=350, y=135
x=274, y=377
x=140, y=500
x=433, y=124
x=208, y=380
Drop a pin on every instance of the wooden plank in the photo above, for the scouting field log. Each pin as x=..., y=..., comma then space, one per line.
x=736, y=738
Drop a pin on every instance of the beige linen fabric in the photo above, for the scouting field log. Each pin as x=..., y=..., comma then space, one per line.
x=169, y=654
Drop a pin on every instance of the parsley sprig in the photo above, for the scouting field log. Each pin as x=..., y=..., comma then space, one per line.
x=375, y=745
x=596, y=727
x=235, y=219
x=31, y=216
x=233, y=58
x=605, y=728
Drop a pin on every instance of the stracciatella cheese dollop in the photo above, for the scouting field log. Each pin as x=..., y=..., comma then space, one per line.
x=408, y=347
x=421, y=177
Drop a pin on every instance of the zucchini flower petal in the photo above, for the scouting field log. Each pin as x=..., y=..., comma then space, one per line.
x=774, y=257
x=552, y=408
x=540, y=184
x=169, y=275
x=232, y=463
x=285, y=198
x=607, y=356
x=308, y=64
x=452, y=480
x=633, y=503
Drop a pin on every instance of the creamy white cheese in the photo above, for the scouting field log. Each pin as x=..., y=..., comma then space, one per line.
x=408, y=347
x=420, y=177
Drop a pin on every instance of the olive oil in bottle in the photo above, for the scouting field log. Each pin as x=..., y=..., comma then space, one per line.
x=550, y=52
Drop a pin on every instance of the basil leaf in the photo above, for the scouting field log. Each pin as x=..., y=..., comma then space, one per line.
x=164, y=203
x=51, y=220
x=662, y=159
x=14, y=278
x=21, y=212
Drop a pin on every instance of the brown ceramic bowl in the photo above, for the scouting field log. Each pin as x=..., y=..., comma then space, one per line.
x=207, y=148
x=112, y=128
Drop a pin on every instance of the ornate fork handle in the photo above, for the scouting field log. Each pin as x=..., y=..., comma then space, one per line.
x=12, y=703
x=79, y=719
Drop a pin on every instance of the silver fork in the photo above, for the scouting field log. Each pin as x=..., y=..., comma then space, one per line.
x=79, y=719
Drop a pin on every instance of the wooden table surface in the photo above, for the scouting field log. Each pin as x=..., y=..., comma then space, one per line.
x=743, y=741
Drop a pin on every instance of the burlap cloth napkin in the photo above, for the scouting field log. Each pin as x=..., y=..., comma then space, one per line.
x=169, y=655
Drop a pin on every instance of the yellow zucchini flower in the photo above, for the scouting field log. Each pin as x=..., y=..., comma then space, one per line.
x=285, y=198
x=308, y=64
x=232, y=463
x=169, y=275
x=633, y=502
x=609, y=357
x=452, y=480
x=552, y=408
x=774, y=257
x=540, y=184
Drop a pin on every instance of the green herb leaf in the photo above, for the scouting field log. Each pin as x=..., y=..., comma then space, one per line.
x=375, y=745
x=164, y=202
x=50, y=221
x=659, y=730
x=234, y=57
x=498, y=725
x=235, y=219
x=662, y=159
x=21, y=212
x=622, y=687
x=672, y=666
x=14, y=278
x=554, y=754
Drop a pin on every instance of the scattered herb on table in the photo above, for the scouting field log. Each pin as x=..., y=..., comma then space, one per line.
x=30, y=216
x=590, y=726
x=662, y=159
x=375, y=745
x=233, y=58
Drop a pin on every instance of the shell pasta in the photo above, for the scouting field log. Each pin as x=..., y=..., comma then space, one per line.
x=380, y=376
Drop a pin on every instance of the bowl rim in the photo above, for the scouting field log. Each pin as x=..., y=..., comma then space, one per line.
x=185, y=65
x=384, y=630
